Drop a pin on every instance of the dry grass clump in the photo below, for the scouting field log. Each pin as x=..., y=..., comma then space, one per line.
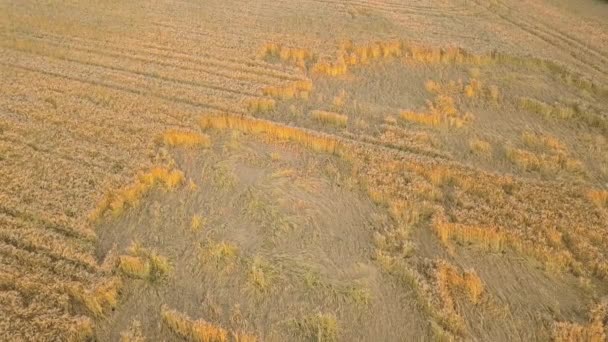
x=193, y=330
x=98, y=298
x=134, y=334
x=197, y=223
x=437, y=175
x=331, y=68
x=536, y=140
x=306, y=138
x=523, y=159
x=497, y=239
x=556, y=110
x=598, y=197
x=421, y=142
x=350, y=54
x=433, y=87
x=480, y=147
x=422, y=118
x=186, y=139
x=449, y=278
x=81, y=330
x=295, y=90
x=296, y=56
x=219, y=254
x=319, y=327
x=240, y=336
x=134, y=266
x=330, y=117
x=575, y=111
x=261, y=105
x=261, y=274
x=441, y=109
x=473, y=89
x=340, y=100
x=545, y=163
x=594, y=331
x=144, y=264
x=492, y=238
x=354, y=54
x=417, y=53
x=445, y=320
x=129, y=196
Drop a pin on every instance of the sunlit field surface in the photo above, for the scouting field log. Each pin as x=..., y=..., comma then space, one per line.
x=314, y=170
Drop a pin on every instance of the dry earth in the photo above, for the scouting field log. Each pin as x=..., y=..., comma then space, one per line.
x=314, y=170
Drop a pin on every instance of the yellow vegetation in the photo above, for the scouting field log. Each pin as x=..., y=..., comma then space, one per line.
x=495, y=239
x=219, y=254
x=260, y=274
x=82, y=330
x=441, y=109
x=351, y=54
x=599, y=197
x=529, y=161
x=557, y=110
x=244, y=337
x=186, y=139
x=142, y=263
x=260, y=105
x=490, y=237
x=331, y=68
x=443, y=105
x=319, y=327
x=537, y=140
x=433, y=87
x=199, y=330
x=100, y=297
x=594, y=331
x=340, y=100
x=294, y=90
x=330, y=117
x=446, y=321
x=197, y=222
x=129, y=196
x=473, y=89
x=422, y=118
x=448, y=278
x=480, y=147
x=133, y=334
x=296, y=56
x=306, y=138
x=575, y=111
x=134, y=266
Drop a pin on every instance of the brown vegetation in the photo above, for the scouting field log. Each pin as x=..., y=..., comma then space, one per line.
x=116, y=202
x=441, y=109
x=329, y=117
x=277, y=131
x=199, y=330
x=294, y=90
x=594, y=331
x=87, y=103
x=546, y=163
x=296, y=56
x=144, y=264
x=186, y=139
x=480, y=147
x=261, y=105
x=598, y=197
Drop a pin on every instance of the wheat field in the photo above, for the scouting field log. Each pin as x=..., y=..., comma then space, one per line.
x=315, y=170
